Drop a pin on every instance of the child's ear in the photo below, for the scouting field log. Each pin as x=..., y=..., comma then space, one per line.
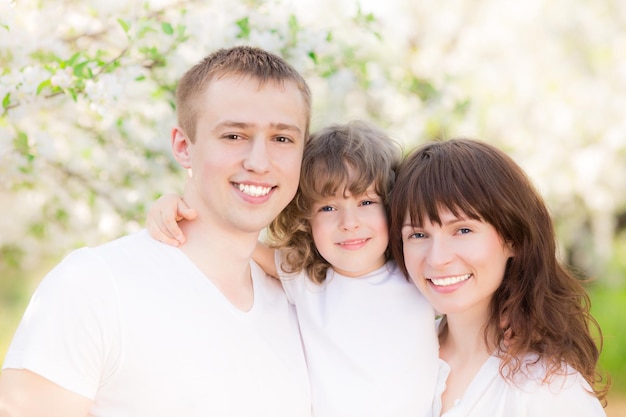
x=180, y=147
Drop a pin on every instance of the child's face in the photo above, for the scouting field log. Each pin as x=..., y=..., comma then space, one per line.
x=457, y=265
x=351, y=232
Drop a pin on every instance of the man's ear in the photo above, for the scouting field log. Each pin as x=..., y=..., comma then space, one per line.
x=180, y=147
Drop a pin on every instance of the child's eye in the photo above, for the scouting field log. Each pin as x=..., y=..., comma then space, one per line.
x=326, y=208
x=367, y=202
x=465, y=230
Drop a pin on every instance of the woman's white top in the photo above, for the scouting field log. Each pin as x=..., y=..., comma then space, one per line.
x=490, y=395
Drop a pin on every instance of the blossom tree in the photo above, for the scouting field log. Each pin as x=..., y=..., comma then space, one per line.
x=87, y=93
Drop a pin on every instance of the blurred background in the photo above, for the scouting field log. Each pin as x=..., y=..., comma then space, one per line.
x=87, y=106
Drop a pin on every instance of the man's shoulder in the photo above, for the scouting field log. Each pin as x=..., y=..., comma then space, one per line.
x=135, y=244
x=126, y=248
x=140, y=237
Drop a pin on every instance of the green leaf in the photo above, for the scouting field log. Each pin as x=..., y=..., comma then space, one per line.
x=144, y=30
x=38, y=230
x=6, y=100
x=125, y=25
x=61, y=215
x=422, y=88
x=21, y=143
x=167, y=28
x=73, y=59
x=244, y=28
x=72, y=94
x=11, y=255
x=180, y=32
x=79, y=69
x=294, y=27
x=43, y=85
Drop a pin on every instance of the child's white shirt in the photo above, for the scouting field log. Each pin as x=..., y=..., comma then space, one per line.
x=370, y=343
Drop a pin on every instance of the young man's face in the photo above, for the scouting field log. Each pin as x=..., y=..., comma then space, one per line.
x=246, y=157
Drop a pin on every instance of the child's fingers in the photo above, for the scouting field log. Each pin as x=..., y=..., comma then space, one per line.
x=161, y=222
x=155, y=227
x=183, y=211
x=169, y=226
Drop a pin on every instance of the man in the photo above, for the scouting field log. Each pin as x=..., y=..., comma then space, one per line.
x=138, y=328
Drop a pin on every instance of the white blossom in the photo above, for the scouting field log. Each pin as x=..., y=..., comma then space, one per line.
x=543, y=79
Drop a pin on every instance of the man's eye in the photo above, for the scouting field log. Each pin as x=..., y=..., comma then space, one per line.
x=232, y=137
x=283, y=139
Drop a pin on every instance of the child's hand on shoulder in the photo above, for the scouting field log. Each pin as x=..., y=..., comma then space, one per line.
x=163, y=218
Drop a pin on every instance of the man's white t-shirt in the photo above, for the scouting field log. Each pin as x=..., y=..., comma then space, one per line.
x=135, y=326
x=370, y=343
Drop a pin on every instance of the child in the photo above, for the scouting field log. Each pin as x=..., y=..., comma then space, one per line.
x=477, y=239
x=368, y=334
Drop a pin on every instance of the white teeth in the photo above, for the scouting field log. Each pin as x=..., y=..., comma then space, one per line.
x=445, y=282
x=352, y=242
x=253, y=190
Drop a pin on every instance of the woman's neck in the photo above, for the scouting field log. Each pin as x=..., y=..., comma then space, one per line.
x=464, y=337
x=463, y=347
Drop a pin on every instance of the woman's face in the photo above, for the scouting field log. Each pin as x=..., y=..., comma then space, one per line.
x=457, y=266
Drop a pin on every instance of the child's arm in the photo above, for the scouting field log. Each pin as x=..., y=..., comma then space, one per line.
x=171, y=208
x=163, y=217
x=264, y=256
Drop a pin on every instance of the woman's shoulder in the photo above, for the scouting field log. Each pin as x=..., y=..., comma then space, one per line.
x=533, y=372
x=565, y=392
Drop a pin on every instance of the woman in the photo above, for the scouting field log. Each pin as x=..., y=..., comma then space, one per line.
x=473, y=234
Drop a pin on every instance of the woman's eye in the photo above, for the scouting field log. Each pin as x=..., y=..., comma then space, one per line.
x=416, y=235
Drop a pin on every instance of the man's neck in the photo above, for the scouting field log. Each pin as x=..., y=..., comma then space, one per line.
x=223, y=256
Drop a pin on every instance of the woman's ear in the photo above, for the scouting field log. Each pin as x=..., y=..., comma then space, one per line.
x=180, y=147
x=508, y=246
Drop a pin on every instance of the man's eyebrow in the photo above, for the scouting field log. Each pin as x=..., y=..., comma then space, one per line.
x=286, y=126
x=232, y=123
x=244, y=125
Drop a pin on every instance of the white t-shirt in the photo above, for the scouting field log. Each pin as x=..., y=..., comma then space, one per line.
x=370, y=343
x=490, y=395
x=134, y=325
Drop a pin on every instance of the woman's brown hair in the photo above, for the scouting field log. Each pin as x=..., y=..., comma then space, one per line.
x=540, y=307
